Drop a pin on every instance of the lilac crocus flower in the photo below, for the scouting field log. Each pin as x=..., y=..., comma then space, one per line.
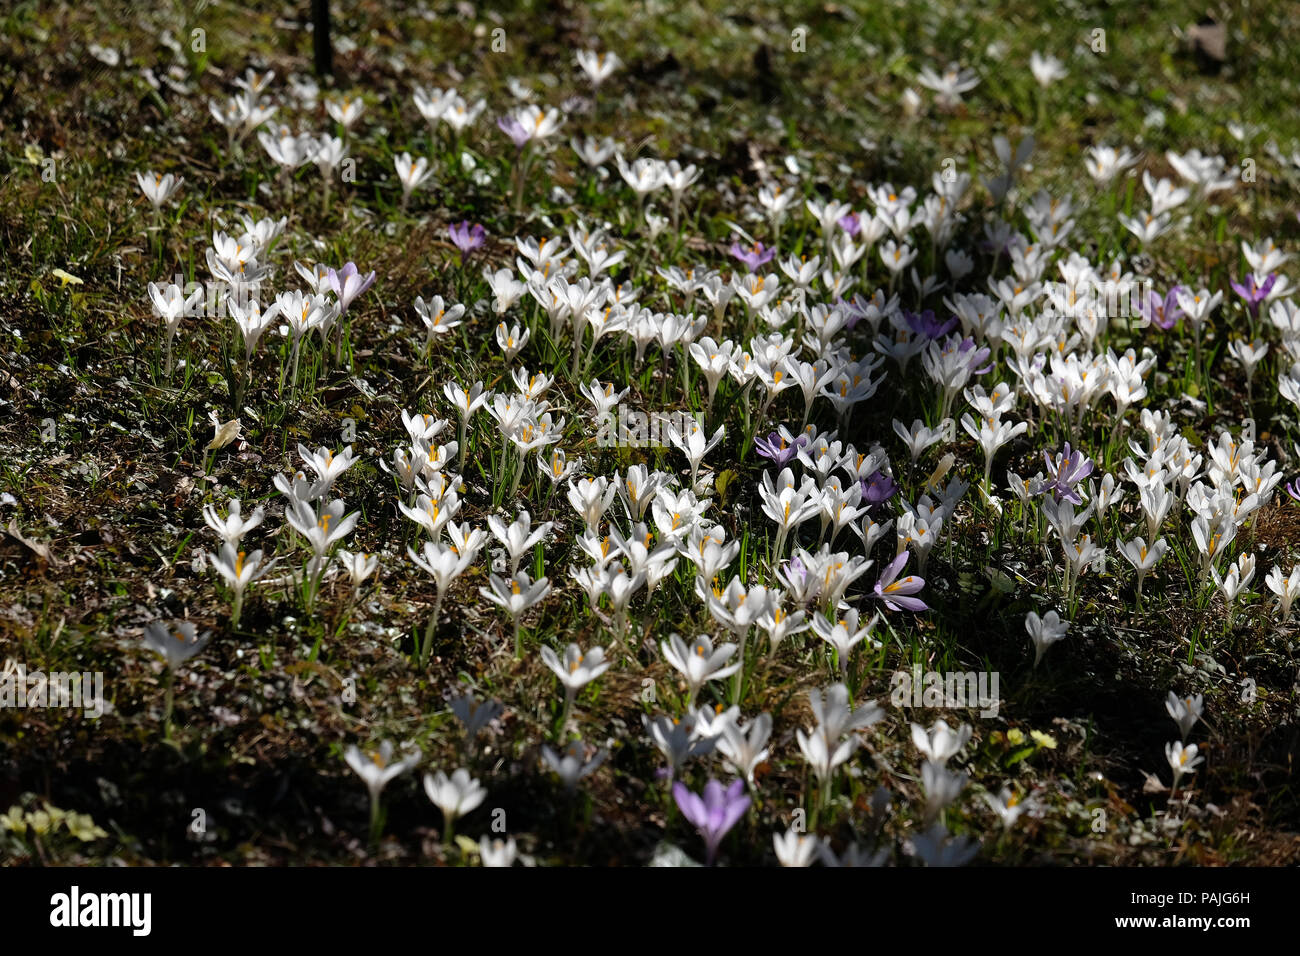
x=716, y=813
x=1163, y=313
x=467, y=238
x=977, y=356
x=794, y=569
x=752, y=258
x=850, y=223
x=515, y=130
x=1293, y=489
x=878, y=488
x=780, y=447
x=1064, y=473
x=925, y=324
x=1254, y=293
x=348, y=283
x=895, y=591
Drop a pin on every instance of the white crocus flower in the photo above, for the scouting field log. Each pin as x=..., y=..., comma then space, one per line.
x=598, y=66
x=519, y=537
x=949, y=85
x=1287, y=589
x=823, y=748
x=1182, y=760
x=359, y=566
x=1185, y=711
x=937, y=847
x=1143, y=558
x=411, y=173
x=324, y=531
x=171, y=305
x=239, y=571
x=694, y=445
x=1240, y=573
x=678, y=739
x=158, y=188
x=1197, y=305
x=497, y=852
x=745, y=747
x=377, y=769
x=253, y=321
x=844, y=634
x=455, y=796
x=346, y=111
x=591, y=498
x=1147, y=226
x=1046, y=69
x=941, y=743
x=573, y=762
x=577, y=669
x=918, y=438
x=538, y=123
x=444, y=563
x=1008, y=805
x=516, y=594
x=942, y=787
x=327, y=465
x=795, y=849
x=1044, y=631
x=234, y=526
x=1104, y=163
x=176, y=643
x=438, y=318
x=512, y=340
x=700, y=662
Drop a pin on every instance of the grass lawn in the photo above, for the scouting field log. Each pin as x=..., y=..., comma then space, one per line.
x=242, y=752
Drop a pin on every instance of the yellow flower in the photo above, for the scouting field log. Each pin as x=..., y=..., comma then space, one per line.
x=14, y=820
x=1015, y=737
x=82, y=826
x=1043, y=740
x=66, y=278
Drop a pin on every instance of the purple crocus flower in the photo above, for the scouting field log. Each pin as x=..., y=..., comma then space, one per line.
x=1253, y=293
x=977, y=355
x=895, y=591
x=717, y=812
x=1069, y=468
x=878, y=488
x=1163, y=313
x=1293, y=489
x=780, y=447
x=467, y=238
x=794, y=570
x=348, y=283
x=515, y=130
x=925, y=324
x=752, y=258
x=850, y=223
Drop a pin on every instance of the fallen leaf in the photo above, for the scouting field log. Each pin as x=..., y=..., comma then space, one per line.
x=42, y=551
